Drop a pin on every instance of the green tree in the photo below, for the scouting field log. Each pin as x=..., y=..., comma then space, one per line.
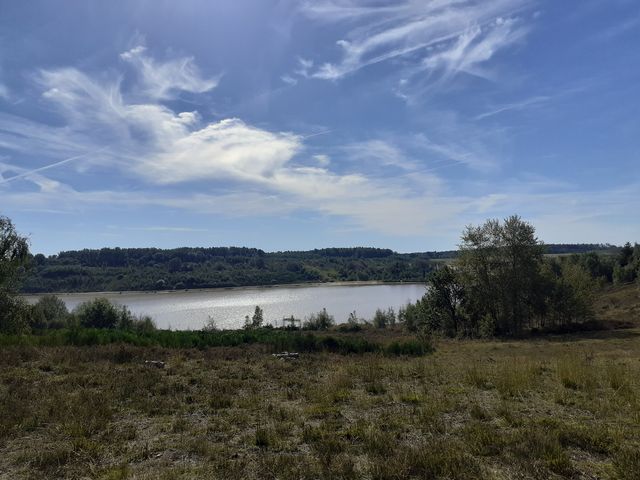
x=499, y=264
x=258, y=317
x=626, y=255
x=14, y=253
x=501, y=284
x=443, y=302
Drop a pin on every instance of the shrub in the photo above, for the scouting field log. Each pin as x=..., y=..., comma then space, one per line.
x=319, y=321
x=413, y=315
x=143, y=324
x=14, y=314
x=382, y=318
x=49, y=312
x=353, y=324
x=101, y=313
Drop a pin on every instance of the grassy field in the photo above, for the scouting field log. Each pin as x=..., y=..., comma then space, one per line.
x=565, y=406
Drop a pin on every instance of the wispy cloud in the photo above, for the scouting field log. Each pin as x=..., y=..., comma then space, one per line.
x=161, y=228
x=289, y=80
x=522, y=105
x=378, y=151
x=230, y=167
x=304, y=67
x=161, y=80
x=266, y=171
x=439, y=39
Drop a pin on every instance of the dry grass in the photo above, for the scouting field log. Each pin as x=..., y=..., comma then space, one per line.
x=556, y=407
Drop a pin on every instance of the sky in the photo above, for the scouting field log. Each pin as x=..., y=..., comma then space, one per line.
x=292, y=125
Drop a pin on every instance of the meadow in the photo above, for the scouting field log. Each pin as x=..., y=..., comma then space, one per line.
x=554, y=406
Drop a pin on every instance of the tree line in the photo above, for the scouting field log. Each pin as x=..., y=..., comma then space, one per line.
x=500, y=283
x=120, y=269
x=191, y=268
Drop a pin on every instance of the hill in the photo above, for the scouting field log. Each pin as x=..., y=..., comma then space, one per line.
x=120, y=269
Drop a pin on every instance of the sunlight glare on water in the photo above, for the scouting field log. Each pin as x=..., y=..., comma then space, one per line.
x=191, y=310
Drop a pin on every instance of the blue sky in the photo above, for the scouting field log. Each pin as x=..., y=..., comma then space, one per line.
x=306, y=124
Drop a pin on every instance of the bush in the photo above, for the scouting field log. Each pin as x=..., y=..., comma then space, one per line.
x=354, y=324
x=142, y=324
x=101, y=313
x=319, y=321
x=14, y=315
x=49, y=312
x=382, y=318
x=413, y=315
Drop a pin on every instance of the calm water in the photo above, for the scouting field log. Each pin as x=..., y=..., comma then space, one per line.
x=192, y=309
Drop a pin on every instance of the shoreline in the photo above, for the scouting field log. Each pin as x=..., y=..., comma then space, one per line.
x=354, y=283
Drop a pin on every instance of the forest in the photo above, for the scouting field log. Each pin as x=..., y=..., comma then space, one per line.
x=122, y=269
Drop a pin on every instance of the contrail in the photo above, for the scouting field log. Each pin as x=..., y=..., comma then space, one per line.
x=316, y=134
x=47, y=167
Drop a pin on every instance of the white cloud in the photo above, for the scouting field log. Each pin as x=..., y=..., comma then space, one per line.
x=229, y=149
x=439, y=38
x=231, y=167
x=4, y=91
x=162, y=80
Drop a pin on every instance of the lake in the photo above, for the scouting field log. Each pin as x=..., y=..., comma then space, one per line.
x=191, y=310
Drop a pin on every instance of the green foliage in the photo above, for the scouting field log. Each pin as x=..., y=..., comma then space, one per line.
x=499, y=267
x=414, y=315
x=258, y=317
x=101, y=313
x=14, y=315
x=276, y=340
x=353, y=324
x=119, y=269
x=443, y=303
x=319, y=321
x=384, y=318
x=49, y=312
x=626, y=267
x=189, y=268
x=501, y=284
x=568, y=289
x=14, y=251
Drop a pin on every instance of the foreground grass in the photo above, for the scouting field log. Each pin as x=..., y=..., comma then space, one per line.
x=554, y=407
x=567, y=407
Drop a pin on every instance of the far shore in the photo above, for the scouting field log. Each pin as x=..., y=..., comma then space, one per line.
x=355, y=283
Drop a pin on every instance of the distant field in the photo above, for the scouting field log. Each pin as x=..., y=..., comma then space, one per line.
x=563, y=406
